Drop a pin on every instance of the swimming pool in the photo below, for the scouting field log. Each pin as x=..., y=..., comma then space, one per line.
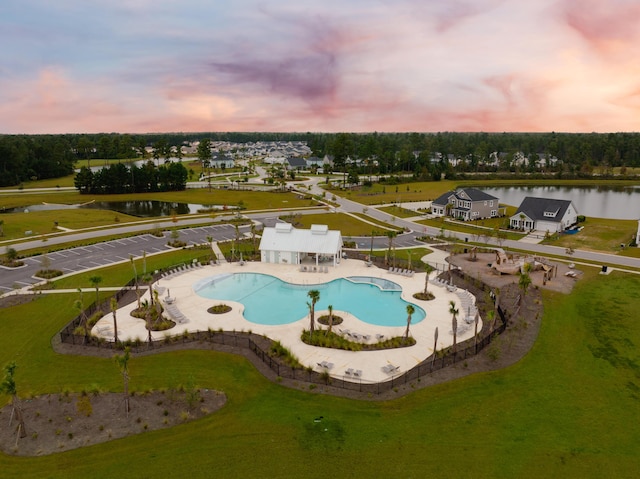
x=269, y=300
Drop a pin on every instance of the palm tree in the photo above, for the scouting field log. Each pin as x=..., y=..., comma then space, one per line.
x=147, y=278
x=79, y=305
x=123, y=363
x=525, y=280
x=330, y=309
x=314, y=295
x=8, y=386
x=95, y=282
x=410, y=311
x=135, y=275
x=390, y=235
x=426, y=282
x=454, y=322
x=114, y=307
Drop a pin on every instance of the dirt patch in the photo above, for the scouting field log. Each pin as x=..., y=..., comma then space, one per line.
x=16, y=300
x=60, y=422
x=480, y=268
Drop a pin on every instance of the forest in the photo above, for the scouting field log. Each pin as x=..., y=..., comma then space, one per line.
x=31, y=157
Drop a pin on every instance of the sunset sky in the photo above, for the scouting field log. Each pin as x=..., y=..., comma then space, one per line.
x=70, y=66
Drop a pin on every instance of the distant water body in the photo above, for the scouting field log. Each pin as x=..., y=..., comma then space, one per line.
x=621, y=203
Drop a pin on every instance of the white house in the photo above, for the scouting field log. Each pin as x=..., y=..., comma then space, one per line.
x=285, y=244
x=544, y=214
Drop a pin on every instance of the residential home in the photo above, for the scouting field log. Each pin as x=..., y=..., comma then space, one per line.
x=466, y=204
x=218, y=160
x=544, y=214
x=296, y=163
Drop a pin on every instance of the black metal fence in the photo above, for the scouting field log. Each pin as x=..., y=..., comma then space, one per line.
x=261, y=348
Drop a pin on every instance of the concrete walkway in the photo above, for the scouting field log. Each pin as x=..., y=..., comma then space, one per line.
x=187, y=304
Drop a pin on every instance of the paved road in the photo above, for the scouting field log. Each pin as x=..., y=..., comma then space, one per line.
x=109, y=252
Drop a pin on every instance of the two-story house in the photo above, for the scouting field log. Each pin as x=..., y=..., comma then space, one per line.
x=466, y=204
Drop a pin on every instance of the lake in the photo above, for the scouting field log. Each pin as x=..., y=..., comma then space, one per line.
x=143, y=209
x=621, y=203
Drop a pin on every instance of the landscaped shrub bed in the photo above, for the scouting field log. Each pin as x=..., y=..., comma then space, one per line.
x=326, y=339
x=324, y=320
x=48, y=273
x=219, y=309
x=422, y=296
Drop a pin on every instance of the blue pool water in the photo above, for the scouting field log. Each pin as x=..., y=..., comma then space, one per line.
x=269, y=300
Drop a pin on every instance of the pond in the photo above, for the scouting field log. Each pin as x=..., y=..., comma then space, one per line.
x=622, y=203
x=143, y=209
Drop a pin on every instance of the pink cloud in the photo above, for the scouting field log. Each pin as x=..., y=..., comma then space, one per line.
x=607, y=26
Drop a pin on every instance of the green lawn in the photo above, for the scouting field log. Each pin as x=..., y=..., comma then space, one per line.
x=568, y=409
x=42, y=222
x=599, y=234
x=347, y=224
x=255, y=200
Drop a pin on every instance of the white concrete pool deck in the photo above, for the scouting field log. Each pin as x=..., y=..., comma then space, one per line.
x=194, y=308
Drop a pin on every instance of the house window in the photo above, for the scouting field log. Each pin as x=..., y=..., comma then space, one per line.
x=494, y=213
x=490, y=203
x=475, y=213
x=485, y=202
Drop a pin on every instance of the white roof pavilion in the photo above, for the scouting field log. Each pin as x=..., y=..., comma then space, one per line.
x=286, y=244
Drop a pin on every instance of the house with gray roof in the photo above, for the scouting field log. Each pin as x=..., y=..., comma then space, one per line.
x=296, y=163
x=544, y=214
x=466, y=204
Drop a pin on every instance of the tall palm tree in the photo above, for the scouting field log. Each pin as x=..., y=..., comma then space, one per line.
x=314, y=295
x=95, y=282
x=454, y=322
x=390, y=235
x=135, y=275
x=123, y=363
x=114, y=307
x=79, y=305
x=253, y=236
x=410, y=311
x=147, y=278
x=525, y=279
x=330, y=309
x=426, y=282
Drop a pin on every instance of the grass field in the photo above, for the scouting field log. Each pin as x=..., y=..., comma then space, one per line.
x=600, y=234
x=568, y=409
x=347, y=224
x=42, y=222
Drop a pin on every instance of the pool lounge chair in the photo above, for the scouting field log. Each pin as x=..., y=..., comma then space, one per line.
x=357, y=373
x=349, y=372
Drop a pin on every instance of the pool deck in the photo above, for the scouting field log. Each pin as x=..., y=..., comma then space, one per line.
x=374, y=365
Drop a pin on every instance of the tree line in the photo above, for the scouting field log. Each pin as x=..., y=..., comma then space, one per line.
x=29, y=157
x=120, y=178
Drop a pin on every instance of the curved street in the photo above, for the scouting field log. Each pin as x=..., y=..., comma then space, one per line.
x=101, y=254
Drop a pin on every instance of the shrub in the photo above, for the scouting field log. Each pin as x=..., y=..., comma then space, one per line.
x=219, y=309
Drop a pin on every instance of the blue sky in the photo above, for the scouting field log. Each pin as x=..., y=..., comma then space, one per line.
x=406, y=65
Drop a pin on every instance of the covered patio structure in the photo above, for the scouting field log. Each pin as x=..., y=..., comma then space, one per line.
x=284, y=244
